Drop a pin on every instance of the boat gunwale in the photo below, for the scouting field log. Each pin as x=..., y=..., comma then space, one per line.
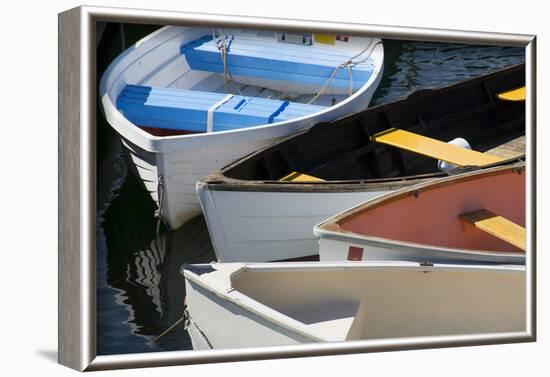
x=332, y=229
x=216, y=181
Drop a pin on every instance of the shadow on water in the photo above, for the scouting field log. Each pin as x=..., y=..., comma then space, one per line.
x=140, y=291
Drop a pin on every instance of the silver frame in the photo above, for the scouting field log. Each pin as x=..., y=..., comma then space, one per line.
x=77, y=184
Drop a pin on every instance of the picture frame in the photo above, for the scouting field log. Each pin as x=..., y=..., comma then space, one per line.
x=77, y=187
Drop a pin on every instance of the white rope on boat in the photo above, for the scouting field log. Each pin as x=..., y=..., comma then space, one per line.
x=210, y=113
x=347, y=64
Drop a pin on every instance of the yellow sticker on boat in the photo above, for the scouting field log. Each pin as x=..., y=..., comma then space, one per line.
x=326, y=39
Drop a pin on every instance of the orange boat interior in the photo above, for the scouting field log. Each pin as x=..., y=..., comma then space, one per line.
x=432, y=215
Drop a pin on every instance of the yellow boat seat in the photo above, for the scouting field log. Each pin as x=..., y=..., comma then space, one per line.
x=516, y=95
x=299, y=177
x=434, y=148
x=497, y=226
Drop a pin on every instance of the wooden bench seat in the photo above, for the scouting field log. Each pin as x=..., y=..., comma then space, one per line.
x=516, y=95
x=434, y=148
x=299, y=177
x=497, y=226
x=273, y=60
x=181, y=109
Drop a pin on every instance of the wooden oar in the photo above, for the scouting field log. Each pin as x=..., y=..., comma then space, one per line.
x=497, y=226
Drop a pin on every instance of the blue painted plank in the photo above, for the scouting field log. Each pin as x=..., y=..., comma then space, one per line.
x=187, y=109
x=322, y=55
x=275, y=62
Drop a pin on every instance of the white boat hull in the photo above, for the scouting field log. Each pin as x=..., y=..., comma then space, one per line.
x=281, y=304
x=270, y=226
x=182, y=160
x=214, y=321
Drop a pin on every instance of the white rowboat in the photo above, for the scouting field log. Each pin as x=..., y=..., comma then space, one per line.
x=183, y=108
x=232, y=305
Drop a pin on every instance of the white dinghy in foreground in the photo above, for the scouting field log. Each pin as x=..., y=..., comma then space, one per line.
x=187, y=101
x=233, y=305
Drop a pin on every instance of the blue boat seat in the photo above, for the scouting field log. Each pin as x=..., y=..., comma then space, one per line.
x=180, y=109
x=277, y=61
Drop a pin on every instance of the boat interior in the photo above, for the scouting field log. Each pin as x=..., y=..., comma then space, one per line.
x=369, y=303
x=344, y=150
x=442, y=207
x=239, y=79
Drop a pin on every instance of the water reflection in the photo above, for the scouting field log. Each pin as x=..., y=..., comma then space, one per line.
x=142, y=271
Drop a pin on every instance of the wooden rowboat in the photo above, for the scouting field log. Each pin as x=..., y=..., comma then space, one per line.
x=234, y=305
x=477, y=217
x=264, y=206
x=186, y=101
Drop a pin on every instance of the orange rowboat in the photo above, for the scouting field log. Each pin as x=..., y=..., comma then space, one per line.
x=476, y=217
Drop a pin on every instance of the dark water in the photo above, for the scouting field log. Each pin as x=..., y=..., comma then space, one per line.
x=140, y=291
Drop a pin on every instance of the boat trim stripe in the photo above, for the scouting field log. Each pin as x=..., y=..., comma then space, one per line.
x=210, y=113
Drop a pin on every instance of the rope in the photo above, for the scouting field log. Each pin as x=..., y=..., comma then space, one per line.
x=159, y=214
x=185, y=317
x=168, y=329
x=223, y=52
x=347, y=64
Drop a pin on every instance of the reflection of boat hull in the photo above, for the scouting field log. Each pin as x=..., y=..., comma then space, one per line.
x=144, y=285
x=423, y=223
x=183, y=159
x=254, y=305
x=253, y=217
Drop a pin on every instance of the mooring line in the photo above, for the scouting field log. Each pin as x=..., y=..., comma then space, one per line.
x=168, y=329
